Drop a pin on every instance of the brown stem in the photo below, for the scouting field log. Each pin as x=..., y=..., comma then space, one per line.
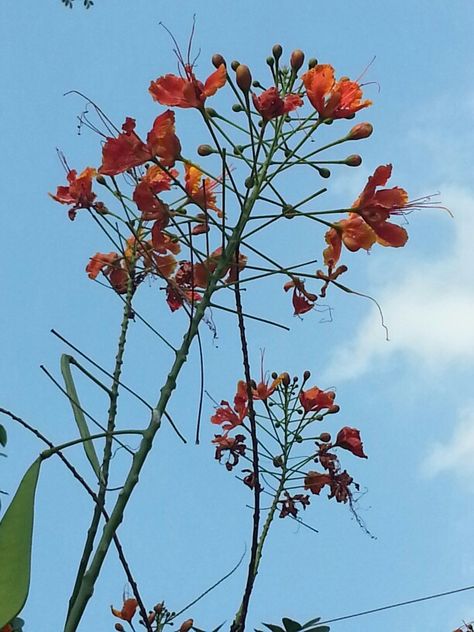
x=239, y=622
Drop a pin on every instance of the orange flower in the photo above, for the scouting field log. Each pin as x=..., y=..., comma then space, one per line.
x=270, y=104
x=315, y=481
x=128, y=610
x=78, y=192
x=375, y=207
x=128, y=150
x=199, y=189
x=187, y=92
x=368, y=224
x=331, y=98
x=315, y=400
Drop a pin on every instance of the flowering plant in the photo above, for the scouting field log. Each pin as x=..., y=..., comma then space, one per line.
x=194, y=230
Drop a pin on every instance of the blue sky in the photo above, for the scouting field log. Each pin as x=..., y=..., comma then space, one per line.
x=412, y=397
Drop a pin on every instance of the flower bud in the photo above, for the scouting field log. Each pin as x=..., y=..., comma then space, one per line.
x=274, y=375
x=100, y=179
x=237, y=108
x=312, y=62
x=243, y=78
x=277, y=51
x=158, y=608
x=306, y=375
x=235, y=64
x=211, y=112
x=286, y=379
x=119, y=627
x=278, y=461
x=239, y=150
x=334, y=409
x=323, y=172
x=249, y=182
x=186, y=625
x=354, y=160
x=299, y=439
x=319, y=417
x=270, y=61
x=217, y=60
x=205, y=150
x=359, y=131
x=296, y=59
x=325, y=437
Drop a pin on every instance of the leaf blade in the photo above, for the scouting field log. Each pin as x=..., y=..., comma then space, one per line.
x=79, y=416
x=16, y=531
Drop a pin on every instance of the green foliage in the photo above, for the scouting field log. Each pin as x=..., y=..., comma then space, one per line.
x=3, y=436
x=289, y=625
x=78, y=414
x=16, y=530
x=69, y=3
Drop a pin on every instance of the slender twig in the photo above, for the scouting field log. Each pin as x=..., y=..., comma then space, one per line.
x=94, y=497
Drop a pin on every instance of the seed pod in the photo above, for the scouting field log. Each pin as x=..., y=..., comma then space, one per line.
x=243, y=78
x=360, y=131
x=277, y=51
x=217, y=60
x=354, y=160
x=296, y=59
x=205, y=150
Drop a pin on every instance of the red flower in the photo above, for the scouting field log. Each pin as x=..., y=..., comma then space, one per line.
x=331, y=98
x=315, y=481
x=234, y=445
x=146, y=192
x=303, y=301
x=187, y=92
x=315, y=400
x=288, y=504
x=78, y=192
x=270, y=104
x=128, y=150
x=349, y=439
x=230, y=417
x=128, y=610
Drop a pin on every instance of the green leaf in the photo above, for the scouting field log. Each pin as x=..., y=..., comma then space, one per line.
x=273, y=628
x=78, y=414
x=320, y=628
x=290, y=625
x=311, y=622
x=16, y=530
x=3, y=436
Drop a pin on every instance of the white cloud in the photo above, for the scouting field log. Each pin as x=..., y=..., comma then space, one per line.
x=455, y=454
x=428, y=305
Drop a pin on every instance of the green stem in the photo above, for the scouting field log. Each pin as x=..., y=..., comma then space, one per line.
x=57, y=448
x=89, y=578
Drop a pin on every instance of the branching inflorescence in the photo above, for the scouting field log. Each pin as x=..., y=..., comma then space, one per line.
x=193, y=229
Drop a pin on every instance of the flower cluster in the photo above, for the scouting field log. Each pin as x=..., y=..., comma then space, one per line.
x=162, y=228
x=298, y=410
